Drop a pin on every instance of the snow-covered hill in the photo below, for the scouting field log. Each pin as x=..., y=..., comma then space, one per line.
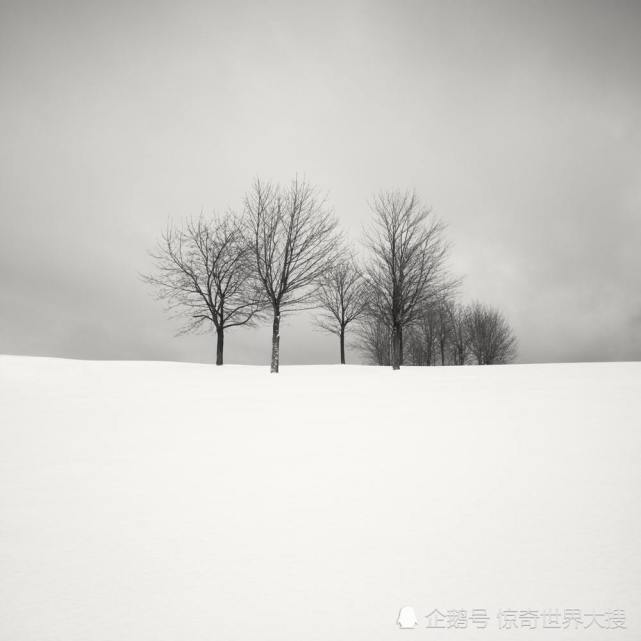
x=160, y=501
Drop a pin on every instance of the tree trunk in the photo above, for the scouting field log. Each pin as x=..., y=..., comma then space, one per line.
x=275, y=341
x=400, y=345
x=342, y=340
x=396, y=347
x=220, y=339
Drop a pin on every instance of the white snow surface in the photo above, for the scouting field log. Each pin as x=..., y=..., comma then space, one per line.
x=152, y=501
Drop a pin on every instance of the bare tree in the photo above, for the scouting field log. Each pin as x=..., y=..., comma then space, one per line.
x=374, y=340
x=443, y=327
x=204, y=270
x=406, y=268
x=293, y=238
x=490, y=336
x=422, y=338
x=341, y=298
x=459, y=341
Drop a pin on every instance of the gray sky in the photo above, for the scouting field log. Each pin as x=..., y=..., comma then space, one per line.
x=518, y=122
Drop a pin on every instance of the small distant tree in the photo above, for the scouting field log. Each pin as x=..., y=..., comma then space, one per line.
x=406, y=266
x=422, y=338
x=374, y=340
x=341, y=298
x=293, y=241
x=443, y=327
x=490, y=336
x=204, y=273
x=459, y=341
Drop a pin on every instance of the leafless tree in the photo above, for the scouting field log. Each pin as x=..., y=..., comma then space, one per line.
x=422, y=338
x=203, y=270
x=293, y=237
x=432, y=338
x=490, y=336
x=341, y=298
x=459, y=341
x=373, y=339
x=406, y=270
x=443, y=327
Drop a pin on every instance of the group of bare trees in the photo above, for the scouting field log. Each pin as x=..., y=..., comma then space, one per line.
x=234, y=270
x=450, y=333
x=411, y=313
x=405, y=272
x=284, y=253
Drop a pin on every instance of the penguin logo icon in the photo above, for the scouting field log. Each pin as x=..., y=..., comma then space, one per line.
x=407, y=618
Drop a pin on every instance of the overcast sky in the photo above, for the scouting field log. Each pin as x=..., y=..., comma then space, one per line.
x=519, y=123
